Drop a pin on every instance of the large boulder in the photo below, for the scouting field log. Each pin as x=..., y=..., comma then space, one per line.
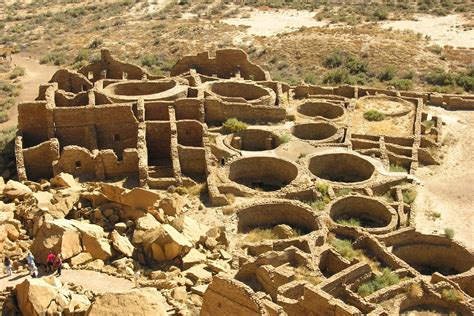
x=166, y=243
x=45, y=296
x=144, y=301
x=137, y=198
x=59, y=236
x=94, y=241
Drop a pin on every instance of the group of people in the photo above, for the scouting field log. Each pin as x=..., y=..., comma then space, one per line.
x=54, y=263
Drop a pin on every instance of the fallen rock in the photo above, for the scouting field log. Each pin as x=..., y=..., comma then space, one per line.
x=283, y=231
x=80, y=259
x=198, y=273
x=150, y=301
x=172, y=205
x=121, y=244
x=14, y=189
x=147, y=222
x=166, y=243
x=192, y=258
x=64, y=180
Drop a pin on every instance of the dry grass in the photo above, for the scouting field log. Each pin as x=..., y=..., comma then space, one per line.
x=415, y=291
x=305, y=274
x=259, y=234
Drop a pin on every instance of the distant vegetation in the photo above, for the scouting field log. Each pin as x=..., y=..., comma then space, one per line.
x=233, y=125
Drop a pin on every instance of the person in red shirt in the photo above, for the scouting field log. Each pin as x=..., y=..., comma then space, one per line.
x=50, y=261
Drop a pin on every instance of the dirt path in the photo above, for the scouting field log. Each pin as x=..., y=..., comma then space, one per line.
x=35, y=74
x=91, y=280
x=447, y=189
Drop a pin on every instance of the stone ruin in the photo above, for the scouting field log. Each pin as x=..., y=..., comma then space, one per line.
x=306, y=166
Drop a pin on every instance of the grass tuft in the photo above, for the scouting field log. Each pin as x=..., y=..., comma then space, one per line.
x=374, y=116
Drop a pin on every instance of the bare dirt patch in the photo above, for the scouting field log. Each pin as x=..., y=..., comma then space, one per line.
x=443, y=30
x=271, y=22
x=446, y=189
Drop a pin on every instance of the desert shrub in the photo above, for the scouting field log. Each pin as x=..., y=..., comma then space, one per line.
x=3, y=116
x=322, y=187
x=149, y=60
x=285, y=138
x=311, y=78
x=387, y=74
x=338, y=76
x=197, y=189
x=449, y=232
x=386, y=278
x=374, y=115
x=233, y=125
x=7, y=88
x=397, y=168
x=6, y=104
x=357, y=66
x=415, y=291
x=344, y=248
x=466, y=80
x=452, y=295
x=354, y=222
x=181, y=190
x=335, y=59
x=97, y=42
x=409, y=196
x=402, y=84
x=439, y=77
x=18, y=71
x=380, y=14
x=428, y=124
x=56, y=58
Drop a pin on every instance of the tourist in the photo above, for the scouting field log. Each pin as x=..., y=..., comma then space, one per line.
x=8, y=265
x=59, y=264
x=50, y=261
x=34, y=271
x=30, y=259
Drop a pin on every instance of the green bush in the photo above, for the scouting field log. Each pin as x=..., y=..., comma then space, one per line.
x=357, y=66
x=439, y=77
x=374, y=115
x=397, y=168
x=344, y=248
x=18, y=71
x=466, y=81
x=56, y=58
x=233, y=125
x=449, y=232
x=96, y=43
x=7, y=104
x=387, y=74
x=452, y=295
x=311, y=78
x=387, y=278
x=285, y=138
x=409, y=196
x=3, y=116
x=338, y=76
x=380, y=14
x=402, y=84
x=335, y=59
x=428, y=124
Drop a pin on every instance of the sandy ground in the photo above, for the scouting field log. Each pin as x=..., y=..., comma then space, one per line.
x=35, y=74
x=91, y=280
x=271, y=22
x=443, y=30
x=447, y=189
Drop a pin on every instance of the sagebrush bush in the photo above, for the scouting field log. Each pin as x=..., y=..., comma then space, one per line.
x=233, y=125
x=374, y=115
x=387, y=74
x=449, y=232
x=402, y=84
x=18, y=71
x=386, y=278
x=344, y=247
x=452, y=295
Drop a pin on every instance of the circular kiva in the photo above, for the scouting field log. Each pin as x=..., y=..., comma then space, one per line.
x=269, y=214
x=232, y=91
x=388, y=105
x=341, y=167
x=254, y=140
x=321, y=132
x=425, y=305
x=368, y=213
x=263, y=173
x=321, y=109
x=149, y=90
x=431, y=254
